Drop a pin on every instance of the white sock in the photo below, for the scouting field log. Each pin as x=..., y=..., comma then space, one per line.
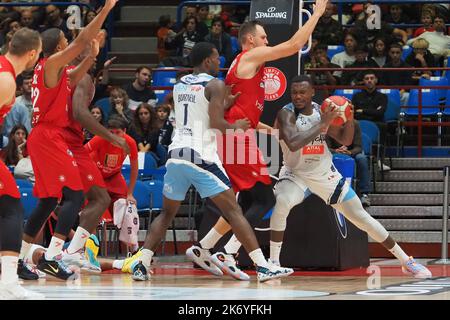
x=275, y=249
x=233, y=245
x=54, y=249
x=399, y=253
x=146, y=257
x=9, y=269
x=210, y=240
x=118, y=264
x=258, y=258
x=78, y=241
x=24, y=250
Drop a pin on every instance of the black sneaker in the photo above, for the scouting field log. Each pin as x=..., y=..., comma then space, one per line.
x=55, y=268
x=25, y=272
x=140, y=272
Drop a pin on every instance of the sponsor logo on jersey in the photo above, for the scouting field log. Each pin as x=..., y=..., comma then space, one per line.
x=314, y=149
x=275, y=83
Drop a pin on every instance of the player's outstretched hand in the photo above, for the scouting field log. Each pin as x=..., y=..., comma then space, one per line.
x=242, y=124
x=120, y=142
x=320, y=6
x=230, y=99
x=109, y=4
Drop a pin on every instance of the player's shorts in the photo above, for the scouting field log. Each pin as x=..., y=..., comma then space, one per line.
x=330, y=186
x=8, y=185
x=117, y=188
x=209, y=179
x=53, y=163
x=89, y=172
x=242, y=160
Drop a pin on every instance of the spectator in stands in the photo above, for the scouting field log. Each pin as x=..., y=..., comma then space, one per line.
x=379, y=52
x=370, y=104
x=25, y=80
x=27, y=19
x=97, y=113
x=164, y=125
x=356, y=77
x=427, y=21
x=221, y=40
x=144, y=130
x=185, y=40
x=369, y=35
x=89, y=16
x=8, y=13
x=191, y=11
x=54, y=19
x=139, y=90
x=397, y=78
x=346, y=57
x=202, y=16
x=16, y=148
x=228, y=15
x=397, y=16
x=355, y=150
x=330, y=31
x=164, y=32
x=420, y=57
x=319, y=59
x=438, y=40
x=120, y=104
x=10, y=28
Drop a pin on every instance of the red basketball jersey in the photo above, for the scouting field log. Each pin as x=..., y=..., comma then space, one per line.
x=6, y=66
x=250, y=103
x=50, y=105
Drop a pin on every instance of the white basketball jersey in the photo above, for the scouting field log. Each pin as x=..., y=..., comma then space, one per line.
x=313, y=158
x=192, y=118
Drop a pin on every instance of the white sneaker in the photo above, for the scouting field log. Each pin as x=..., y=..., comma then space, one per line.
x=272, y=272
x=418, y=270
x=227, y=264
x=202, y=257
x=78, y=259
x=14, y=291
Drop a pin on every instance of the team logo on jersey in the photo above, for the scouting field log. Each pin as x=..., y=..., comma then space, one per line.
x=112, y=160
x=275, y=83
x=69, y=153
x=62, y=178
x=90, y=177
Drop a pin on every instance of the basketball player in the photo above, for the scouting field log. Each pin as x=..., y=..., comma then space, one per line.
x=55, y=168
x=193, y=159
x=252, y=180
x=23, y=53
x=94, y=187
x=308, y=168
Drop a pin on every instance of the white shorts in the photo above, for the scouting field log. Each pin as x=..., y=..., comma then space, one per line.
x=330, y=186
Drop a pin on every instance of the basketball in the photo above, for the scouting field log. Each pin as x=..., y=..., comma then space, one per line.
x=343, y=104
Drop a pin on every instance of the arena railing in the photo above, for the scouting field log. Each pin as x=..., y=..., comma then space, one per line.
x=419, y=123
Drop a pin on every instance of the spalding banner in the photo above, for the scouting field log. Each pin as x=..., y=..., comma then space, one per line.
x=272, y=12
x=275, y=83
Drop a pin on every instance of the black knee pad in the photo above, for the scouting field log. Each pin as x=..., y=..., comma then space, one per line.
x=262, y=200
x=39, y=216
x=11, y=224
x=73, y=200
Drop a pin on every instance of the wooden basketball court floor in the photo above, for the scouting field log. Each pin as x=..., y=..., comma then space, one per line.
x=181, y=281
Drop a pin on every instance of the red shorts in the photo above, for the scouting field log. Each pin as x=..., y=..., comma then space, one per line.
x=117, y=188
x=89, y=172
x=8, y=185
x=243, y=161
x=53, y=163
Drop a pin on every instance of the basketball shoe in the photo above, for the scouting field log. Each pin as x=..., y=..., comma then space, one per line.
x=55, y=268
x=14, y=291
x=416, y=269
x=130, y=262
x=91, y=251
x=25, y=271
x=140, y=272
x=202, y=258
x=77, y=259
x=227, y=264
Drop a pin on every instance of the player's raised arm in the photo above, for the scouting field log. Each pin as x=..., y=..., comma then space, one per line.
x=60, y=59
x=262, y=54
